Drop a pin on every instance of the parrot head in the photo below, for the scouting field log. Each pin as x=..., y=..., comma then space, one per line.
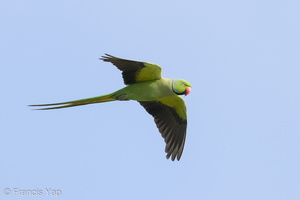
x=181, y=87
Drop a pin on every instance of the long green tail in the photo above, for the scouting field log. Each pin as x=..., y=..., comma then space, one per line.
x=98, y=99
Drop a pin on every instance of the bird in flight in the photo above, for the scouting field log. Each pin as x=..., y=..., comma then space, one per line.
x=158, y=95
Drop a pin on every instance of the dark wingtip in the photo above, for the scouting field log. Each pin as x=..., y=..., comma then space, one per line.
x=173, y=157
x=106, y=57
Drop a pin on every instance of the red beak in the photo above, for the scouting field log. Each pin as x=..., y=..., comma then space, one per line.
x=187, y=90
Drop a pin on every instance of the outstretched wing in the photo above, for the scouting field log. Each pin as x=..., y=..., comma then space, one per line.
x=170, y=117
x=134, y=71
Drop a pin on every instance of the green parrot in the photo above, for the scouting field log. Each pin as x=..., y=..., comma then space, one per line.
x=158, y=95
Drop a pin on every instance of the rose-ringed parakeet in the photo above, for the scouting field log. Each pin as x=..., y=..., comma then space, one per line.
x=158, y=95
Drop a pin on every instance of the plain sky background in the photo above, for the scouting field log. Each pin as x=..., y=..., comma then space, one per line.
x=242, y=58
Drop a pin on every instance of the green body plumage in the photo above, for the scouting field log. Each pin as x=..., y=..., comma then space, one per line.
x=159, y=96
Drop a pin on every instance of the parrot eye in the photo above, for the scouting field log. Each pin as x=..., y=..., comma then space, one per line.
x=183, y=83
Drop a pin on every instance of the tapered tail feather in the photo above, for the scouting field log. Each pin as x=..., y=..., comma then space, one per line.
x=98, y=99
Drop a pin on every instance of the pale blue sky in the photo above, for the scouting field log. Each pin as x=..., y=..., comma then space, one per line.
x=242, y=57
